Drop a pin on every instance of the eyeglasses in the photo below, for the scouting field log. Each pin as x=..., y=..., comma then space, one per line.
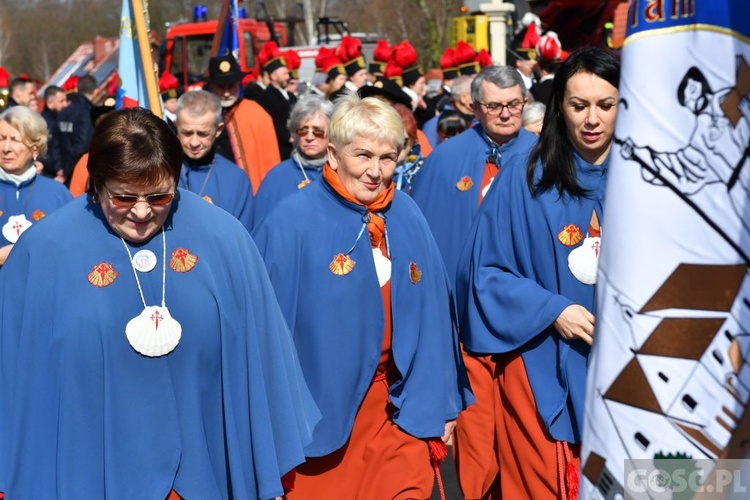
x=496, y=108
x=128, y=200
x=317, y=132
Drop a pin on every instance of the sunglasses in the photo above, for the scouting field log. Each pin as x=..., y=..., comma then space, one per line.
x=317, y=132
x=128, y=200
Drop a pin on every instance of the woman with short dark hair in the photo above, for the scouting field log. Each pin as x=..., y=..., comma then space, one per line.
x=143, y=352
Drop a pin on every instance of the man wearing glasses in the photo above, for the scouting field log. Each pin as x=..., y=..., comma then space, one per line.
x=205, y=172
x=451, y=185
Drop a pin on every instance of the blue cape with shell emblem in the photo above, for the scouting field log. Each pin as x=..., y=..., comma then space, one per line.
x=514, y=281
x=223, y=415
x=337, y=321
x=448, y=209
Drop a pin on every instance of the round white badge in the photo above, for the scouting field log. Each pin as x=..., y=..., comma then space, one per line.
x=144, y=260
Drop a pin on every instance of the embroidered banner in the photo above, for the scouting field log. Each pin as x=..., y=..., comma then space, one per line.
x=668, y=378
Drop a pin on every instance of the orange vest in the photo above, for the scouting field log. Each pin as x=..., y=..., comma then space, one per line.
x=253, y=140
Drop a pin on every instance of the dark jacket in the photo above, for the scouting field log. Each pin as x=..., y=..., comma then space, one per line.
x=276, y=105
x=52, y=161
x=76, y=129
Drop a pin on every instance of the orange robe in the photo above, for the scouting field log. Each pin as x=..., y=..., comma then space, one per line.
x=80, y=178
x=380, y=461
x=536, y=466
x=253, y=140
x=424, y=144
x=478, y=433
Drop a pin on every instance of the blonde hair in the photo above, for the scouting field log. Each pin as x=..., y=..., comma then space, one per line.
x=370, y=118
x=30, y=125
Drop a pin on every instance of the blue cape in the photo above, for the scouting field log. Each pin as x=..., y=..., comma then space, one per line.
x=448, y=210
x=37, y=194
x=228, y=187
x=280, y=182
x=514, y=282
x=337, y=321
x=224, y=415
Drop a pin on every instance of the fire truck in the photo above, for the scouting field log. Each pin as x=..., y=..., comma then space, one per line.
x=187, y=45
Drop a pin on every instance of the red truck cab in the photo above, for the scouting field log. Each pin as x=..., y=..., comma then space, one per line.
x=188, y=47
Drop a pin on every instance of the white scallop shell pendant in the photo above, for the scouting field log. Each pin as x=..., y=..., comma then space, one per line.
x=382, y=266
x=583, y=262
x=15, y=227
x=154, y=332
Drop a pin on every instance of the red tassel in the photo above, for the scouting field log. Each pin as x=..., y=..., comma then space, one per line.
x=464, y=53
x=405, y=55
x=287, y=480
x=572, y=479
x=438, y=451
x=382, y=51
x=268, y=51
x=349, y=49
x=484, y=58
x=292, y=59
x=448, y=59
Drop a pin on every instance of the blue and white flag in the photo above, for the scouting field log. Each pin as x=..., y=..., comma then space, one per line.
x=669, y=377
x=230, y=42
x=132, y=89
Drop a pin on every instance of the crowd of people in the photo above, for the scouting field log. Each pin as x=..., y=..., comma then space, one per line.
x=286, y=292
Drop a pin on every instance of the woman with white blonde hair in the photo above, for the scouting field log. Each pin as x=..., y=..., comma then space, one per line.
x=25, y=197
x=361, y=283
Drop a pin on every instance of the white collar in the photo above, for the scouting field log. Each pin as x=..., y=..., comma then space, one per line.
x=18, y=179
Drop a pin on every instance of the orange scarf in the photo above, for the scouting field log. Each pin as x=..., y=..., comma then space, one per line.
x=376, y=226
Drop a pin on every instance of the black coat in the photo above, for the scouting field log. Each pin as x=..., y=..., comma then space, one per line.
x=76, y=129
x=52, y=161
x=276, y=105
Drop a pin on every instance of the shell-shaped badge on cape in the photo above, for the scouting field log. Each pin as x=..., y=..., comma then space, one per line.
x=583, y=262
x=182, y=260
x=37, y=214
x=570, y=235
x=154, y=332
x=304, y=183
x=15, y=227
x=208, y=199
x=102, y=275
x=414, y=273
x=341, y=264
x=465, y=183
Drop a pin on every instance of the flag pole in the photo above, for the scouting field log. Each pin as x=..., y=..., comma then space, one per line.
x=216, y=43
x=149, y=72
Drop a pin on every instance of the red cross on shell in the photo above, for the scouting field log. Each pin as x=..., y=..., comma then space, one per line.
x=102, y=275
x=182, y=260
x=341, y=265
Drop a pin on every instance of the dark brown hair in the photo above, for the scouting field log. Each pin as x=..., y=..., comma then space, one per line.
x=135, y=147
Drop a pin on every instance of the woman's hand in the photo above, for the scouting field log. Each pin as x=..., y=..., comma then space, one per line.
x=4, y=251
x=449, y=426
x=575, y=322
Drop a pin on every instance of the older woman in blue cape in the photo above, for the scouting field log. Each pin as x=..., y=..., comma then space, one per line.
x=526, y=288
x=25, y=197
x=361, y=283
x=142, y=351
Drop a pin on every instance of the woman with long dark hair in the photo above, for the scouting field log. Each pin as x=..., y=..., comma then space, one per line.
x=528, y=296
